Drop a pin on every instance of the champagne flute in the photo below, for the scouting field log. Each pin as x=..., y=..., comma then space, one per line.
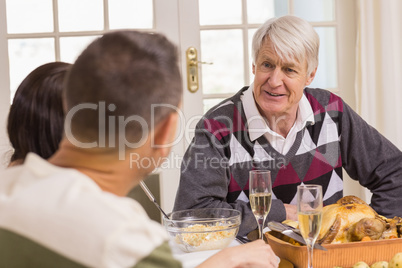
x=260, y=195
x=309, y=211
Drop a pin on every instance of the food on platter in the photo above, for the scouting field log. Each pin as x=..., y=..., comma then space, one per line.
x=292, y=223
x=200, y=235
x=203, y=228
x=361, y=264
x=380, y=264
x=337, y=255
x=350, y=219
x=396, y=261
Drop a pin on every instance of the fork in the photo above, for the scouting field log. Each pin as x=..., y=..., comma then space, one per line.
x=242, y=240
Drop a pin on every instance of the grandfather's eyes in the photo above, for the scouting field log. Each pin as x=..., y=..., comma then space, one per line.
x=267, y=65
x=290, y=70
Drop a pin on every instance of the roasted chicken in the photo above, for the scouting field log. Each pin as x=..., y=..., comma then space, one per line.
x=351, y=219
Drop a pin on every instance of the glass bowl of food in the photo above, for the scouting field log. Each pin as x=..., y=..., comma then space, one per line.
x=204, y=228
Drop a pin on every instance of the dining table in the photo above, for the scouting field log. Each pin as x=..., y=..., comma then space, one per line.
x=192, y=259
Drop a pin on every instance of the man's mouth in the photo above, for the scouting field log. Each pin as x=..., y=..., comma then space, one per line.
x=274, y=95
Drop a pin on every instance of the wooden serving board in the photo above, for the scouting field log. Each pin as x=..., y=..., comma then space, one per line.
x=344, y=255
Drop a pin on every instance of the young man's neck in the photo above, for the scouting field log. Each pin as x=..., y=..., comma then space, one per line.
x=104, y=168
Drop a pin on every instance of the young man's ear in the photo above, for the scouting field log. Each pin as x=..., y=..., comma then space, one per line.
x=165, y=133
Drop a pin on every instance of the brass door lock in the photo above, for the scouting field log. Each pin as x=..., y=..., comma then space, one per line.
x=192, y=69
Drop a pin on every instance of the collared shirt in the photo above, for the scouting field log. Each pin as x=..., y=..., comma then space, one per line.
x=66, y=217
x=258, y=126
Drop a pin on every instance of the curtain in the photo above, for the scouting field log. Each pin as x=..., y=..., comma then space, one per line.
x=378, y=83
x=379, y=66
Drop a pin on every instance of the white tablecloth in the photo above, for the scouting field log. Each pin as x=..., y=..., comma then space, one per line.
x=191, y=260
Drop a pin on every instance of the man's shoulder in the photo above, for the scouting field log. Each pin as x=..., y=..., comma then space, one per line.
x=322, y=100
x=226, y=106
x=228, y=114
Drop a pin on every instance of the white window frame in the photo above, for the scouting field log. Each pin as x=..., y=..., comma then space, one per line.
x=4, y=83
x=344, y=11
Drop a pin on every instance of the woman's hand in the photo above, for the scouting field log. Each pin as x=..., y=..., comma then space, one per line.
x=253, y=254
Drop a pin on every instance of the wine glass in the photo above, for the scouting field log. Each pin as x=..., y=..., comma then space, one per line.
x=260, y=195
x=309, y=211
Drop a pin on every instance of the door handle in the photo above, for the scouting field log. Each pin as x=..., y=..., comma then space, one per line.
x=192, y=69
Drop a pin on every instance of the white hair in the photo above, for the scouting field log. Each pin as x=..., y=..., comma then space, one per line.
x=292, y=38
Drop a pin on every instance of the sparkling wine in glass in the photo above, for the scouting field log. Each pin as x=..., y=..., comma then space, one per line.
x=260, y=195
x=309, y=211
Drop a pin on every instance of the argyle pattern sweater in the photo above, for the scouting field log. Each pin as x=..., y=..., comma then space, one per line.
x=215, y=168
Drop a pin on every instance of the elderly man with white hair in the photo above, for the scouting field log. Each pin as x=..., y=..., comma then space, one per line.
x=302, y=135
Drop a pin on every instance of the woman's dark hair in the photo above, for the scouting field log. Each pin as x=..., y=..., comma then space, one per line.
x=36, y=118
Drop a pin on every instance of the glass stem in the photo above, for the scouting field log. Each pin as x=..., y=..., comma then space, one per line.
x=261, y=222
x=310, y=255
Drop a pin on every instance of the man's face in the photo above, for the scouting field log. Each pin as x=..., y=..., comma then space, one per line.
x=278, y=85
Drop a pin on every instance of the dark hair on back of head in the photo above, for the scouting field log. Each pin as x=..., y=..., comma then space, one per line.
x=129, y=71
x=36, y=118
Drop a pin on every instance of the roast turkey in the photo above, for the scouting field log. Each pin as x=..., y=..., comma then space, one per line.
x=351, y=219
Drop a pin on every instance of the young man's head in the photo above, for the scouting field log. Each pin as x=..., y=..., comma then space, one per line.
x=120, y=87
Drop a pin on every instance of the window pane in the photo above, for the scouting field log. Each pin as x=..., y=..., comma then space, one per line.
x=326, y=76
x=78, y=15
x=258, y=11
x=214, y=12
x=225, y=49
x=130, y=14
x=27, y=16
x=209, y=103
x=27, y=54
x=315, y=10
x=71, y=47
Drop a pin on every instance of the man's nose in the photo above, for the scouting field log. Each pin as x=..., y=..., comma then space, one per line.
x=275, y=78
